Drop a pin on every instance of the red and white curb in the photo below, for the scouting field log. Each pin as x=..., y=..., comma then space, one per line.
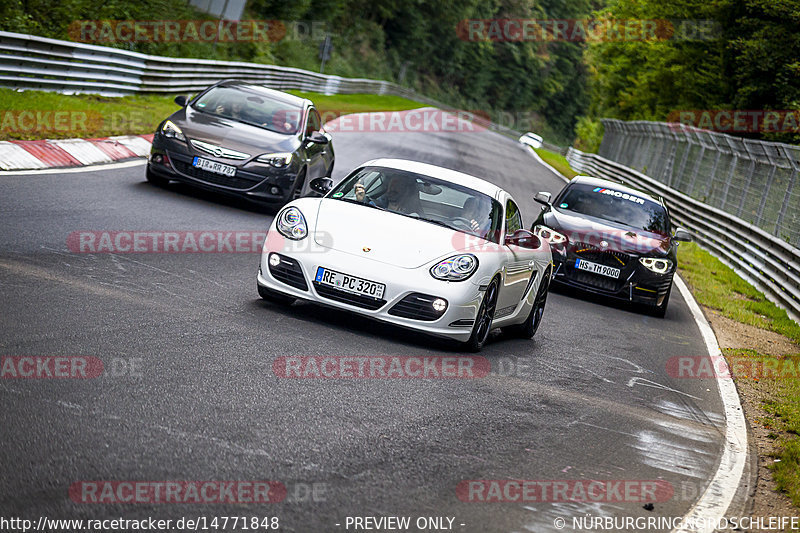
x=64, y=153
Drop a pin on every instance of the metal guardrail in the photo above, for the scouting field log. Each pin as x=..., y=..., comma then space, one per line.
x=751, y=179
x=30, y=62
x=40, y=63
x=767, y=262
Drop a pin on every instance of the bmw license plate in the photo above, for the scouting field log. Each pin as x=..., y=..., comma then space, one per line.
x=596, y=268
x=349, y=283
x=213, y=166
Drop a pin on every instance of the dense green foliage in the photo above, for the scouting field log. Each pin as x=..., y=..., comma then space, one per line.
x=736, y=54
x=537, y=85
x=748, y=60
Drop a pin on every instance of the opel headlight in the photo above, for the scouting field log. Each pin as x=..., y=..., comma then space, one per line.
x=279, y=160
x=171, y=131
x=659, y=266
x=291, y=224
x=549, y=235
x=456, y=268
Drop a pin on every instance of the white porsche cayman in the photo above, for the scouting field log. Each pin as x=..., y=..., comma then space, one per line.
x=420, y=246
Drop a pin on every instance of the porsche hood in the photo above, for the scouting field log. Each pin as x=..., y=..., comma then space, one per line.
x=384, y=236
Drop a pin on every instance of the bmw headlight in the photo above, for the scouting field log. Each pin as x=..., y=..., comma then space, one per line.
x=456, y=268
x=279, y=160
x=659, y=266
x=549, y=235
x=171, y=131
x=292, y=224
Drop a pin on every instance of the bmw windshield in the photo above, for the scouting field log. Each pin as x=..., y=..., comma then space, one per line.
x=615, y=206
x=432, y=200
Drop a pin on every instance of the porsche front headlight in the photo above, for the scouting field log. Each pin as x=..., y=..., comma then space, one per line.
x=549, y=235
x=657, y=265
x=292, y=224
x=456, y=268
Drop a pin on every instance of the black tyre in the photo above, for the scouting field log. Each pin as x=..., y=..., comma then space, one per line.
x=528, y=329
x=483, y=320
x=153, y=178
x=274, y=297
x=329, y=173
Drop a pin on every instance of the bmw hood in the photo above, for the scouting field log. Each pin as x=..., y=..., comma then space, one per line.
x=595, y=231
x=382, y=236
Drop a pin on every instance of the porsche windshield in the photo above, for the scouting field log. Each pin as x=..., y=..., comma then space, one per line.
x=615, y=206
x=423, y=197
x=251, y=108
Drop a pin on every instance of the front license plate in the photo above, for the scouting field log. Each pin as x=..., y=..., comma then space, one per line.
x=611, y=272
x=349, y=283
x=213, y=166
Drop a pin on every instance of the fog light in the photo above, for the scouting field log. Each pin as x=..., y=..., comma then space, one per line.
x=157, y=158
x=274, y=190
x=439, y=305
x=274, y=260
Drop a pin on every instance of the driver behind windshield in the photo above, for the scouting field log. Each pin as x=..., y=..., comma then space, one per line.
x=401, y=196
x=478, y=211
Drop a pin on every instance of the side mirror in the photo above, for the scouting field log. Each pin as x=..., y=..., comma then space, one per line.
x=524, y=239
x=181, y=100
x=321, y=185
x=543, y=197
x=318, y=137
x=682, y=235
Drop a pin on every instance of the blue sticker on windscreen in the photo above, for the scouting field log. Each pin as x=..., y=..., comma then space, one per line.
x=201, y=104
x=563, y=206
x=338, y=194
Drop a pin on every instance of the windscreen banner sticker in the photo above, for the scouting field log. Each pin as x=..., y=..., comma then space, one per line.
x=617, y=194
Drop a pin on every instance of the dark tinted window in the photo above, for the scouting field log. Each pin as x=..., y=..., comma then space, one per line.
x=616, y=206
x=247, y=106
x=513, y=218
x=423, y=197
x=313, y=122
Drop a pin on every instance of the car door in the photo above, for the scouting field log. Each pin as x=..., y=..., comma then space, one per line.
x=315, y=152
x=518, y=268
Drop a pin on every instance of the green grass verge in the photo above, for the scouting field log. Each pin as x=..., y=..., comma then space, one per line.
x=720, y=288
x=28, y=115
x=557, y=161
x=716, y=286
x=358, y=103
x=39, y=114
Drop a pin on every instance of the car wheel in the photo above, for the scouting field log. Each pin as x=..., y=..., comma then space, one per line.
x=275, y=297
x=297, y=192
x=660, y=311
x=483, y=320
x=329, y=172
x=528, y=329
x=154, y=179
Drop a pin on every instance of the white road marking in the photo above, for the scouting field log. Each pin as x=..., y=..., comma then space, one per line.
x=74, y=170
x=714, y=502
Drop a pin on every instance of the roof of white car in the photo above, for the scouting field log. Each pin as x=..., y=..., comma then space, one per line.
x=446, y=174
